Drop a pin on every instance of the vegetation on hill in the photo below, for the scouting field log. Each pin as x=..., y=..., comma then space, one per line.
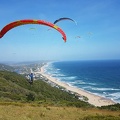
x=15, y=87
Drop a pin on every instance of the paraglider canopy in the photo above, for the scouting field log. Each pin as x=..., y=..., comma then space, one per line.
x=29, y=21
x=64, y=18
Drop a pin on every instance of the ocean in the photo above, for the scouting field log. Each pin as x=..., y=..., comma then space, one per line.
x=98, y=77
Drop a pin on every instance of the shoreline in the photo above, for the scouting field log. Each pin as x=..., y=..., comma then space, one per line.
x=92, y=98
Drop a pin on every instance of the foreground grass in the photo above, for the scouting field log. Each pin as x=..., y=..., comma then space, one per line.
x=29, y=111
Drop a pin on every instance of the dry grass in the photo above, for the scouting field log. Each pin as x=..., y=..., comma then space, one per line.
x=30, y=112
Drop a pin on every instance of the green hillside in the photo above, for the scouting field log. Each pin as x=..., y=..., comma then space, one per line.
x=15, y=87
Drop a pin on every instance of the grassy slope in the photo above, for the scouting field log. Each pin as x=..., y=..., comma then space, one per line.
x=40, y=101
x=14, y=87
x=22, y=111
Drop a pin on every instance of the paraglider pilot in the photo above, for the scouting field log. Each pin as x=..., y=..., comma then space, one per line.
x=31, y=78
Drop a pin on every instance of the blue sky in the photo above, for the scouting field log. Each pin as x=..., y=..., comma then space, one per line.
x=98, y=25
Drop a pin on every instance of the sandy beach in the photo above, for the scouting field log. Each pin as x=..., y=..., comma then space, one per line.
x=92, y=99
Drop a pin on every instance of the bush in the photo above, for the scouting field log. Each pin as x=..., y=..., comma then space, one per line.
x=30, y=97
x=114, y=107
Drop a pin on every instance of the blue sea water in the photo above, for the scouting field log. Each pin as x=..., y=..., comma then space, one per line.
x=98, y=77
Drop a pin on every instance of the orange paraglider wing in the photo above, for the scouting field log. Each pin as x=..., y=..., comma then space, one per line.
x=29, y=21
